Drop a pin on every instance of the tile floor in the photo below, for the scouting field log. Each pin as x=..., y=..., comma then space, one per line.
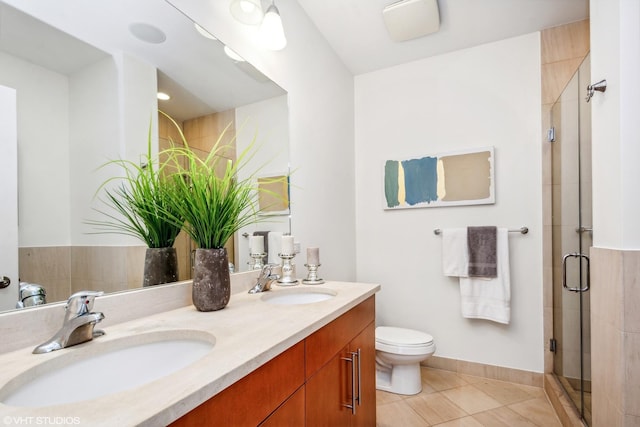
x=455, y=400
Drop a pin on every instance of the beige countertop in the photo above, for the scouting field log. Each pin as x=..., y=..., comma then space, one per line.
x=248, y=333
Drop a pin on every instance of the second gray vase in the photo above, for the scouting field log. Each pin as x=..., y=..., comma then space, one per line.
x=160, y=266
x=211, y=279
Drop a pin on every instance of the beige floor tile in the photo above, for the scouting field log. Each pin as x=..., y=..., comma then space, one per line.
x=435, y=408
x=397, y=414
x=471, y=379
x=455, y=400
x=531, y=390
x=504, y=392
x=502, y=417
x=441, y=380
x=538, y=411
x=383, y=397
x=470, y=399
x=461, y=422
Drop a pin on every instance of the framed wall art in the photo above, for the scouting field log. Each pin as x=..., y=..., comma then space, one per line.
x=448, y=179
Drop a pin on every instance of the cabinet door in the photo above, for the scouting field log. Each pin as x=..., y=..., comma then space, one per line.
x=366, y=377
x=325, y=343
x=327, y=392
x=290, y=413
x=346, y=380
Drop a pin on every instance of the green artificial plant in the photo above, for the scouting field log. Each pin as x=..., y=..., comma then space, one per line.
x=141, y=204
x=208, y=195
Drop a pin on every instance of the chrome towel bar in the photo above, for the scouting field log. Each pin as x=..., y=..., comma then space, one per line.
x=521, y=230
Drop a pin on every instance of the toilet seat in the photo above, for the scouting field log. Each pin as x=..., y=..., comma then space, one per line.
x=403, y=341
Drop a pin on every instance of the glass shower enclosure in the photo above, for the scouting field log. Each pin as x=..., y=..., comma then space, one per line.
x=572, y=239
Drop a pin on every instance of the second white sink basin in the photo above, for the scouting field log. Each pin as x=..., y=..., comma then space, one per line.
x=294, y=296
x=101, y=368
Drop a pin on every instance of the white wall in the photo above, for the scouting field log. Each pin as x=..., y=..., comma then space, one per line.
x=483, y=96
x=43, y=156
x=112, y=104
x=320, y=92
x=67, y=126
x=266, y=124
x=615, y=28
x=9, y=196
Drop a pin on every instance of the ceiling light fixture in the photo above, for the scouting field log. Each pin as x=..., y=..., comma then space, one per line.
x=204, y=33
x=410, y=19
x=246, y=11
x=163, y=96
x=271, y=31
x=231, y=54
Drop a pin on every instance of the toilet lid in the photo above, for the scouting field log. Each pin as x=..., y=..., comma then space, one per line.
x=401, y=336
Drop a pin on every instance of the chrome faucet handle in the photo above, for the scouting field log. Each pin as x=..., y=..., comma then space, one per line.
x=266, y=270
x=80, y=303
x=265, y=279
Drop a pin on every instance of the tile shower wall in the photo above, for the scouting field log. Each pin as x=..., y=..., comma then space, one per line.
x=616, y=327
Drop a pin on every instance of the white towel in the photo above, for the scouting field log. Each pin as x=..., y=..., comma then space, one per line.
x=455, y=255
x=275, y=247
x=489, y=299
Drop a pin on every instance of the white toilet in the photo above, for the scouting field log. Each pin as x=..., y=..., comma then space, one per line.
x=399, y=352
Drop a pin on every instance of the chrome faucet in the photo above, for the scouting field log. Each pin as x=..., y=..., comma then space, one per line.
x=265, y=279
x=78, y=325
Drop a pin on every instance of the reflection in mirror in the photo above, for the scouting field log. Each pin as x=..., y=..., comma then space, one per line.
x=86, y=79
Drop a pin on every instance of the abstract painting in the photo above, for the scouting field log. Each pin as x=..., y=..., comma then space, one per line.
x=449, y=179
x=273, y=194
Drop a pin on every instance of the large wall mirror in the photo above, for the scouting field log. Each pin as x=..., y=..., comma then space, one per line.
x=86, y=77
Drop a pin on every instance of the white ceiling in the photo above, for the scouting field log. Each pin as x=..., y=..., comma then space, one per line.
x=66, y=35
x=356, y=32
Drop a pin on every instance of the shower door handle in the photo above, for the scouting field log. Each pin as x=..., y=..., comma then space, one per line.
x=564, y=272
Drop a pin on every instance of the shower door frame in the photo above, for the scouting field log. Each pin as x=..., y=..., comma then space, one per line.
x=572, y=240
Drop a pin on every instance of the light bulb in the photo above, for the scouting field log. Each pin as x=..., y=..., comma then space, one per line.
x=272, y=31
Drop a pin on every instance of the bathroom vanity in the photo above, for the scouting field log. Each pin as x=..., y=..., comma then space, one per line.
x=326, y=379
x=303, y=355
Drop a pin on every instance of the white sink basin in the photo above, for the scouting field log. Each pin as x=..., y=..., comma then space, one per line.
x=100, y=368
x=296, y=296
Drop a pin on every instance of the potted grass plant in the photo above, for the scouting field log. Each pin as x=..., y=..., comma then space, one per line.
x=140, y=205
x=214, y=203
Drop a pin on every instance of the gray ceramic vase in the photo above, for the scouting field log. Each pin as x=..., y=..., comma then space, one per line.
x=211, y=279
x=160, y=266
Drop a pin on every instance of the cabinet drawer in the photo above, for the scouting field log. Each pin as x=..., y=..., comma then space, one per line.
x=250, y=400
x=325, y=343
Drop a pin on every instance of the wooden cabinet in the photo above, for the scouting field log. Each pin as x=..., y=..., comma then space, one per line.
x=253, y=398
x=340, y=385
x=312, y=383
x=290, y=413
x=366, y=410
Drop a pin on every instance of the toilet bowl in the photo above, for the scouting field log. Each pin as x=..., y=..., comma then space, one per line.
x=399, y=352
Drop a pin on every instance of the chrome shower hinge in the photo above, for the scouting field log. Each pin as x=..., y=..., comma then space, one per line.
x=551, y=134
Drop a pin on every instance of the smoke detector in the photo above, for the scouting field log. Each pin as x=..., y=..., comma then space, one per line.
x=410, y=19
